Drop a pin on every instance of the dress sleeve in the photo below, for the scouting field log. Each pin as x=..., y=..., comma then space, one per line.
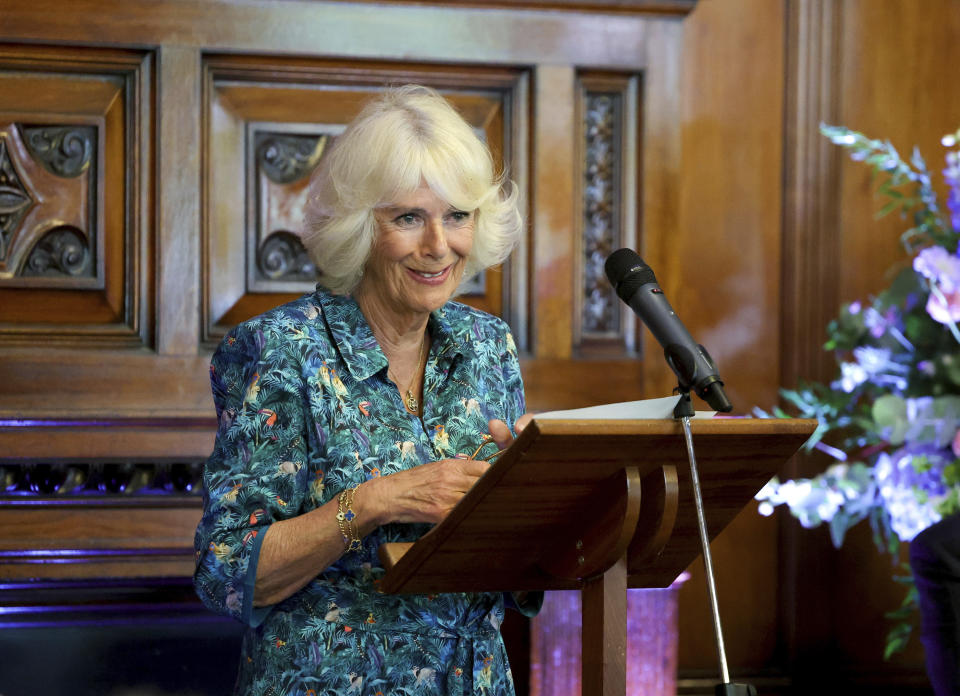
x=255, y=474
x=513, y=397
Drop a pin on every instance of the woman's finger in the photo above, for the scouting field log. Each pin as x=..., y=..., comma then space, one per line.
x=501, y=433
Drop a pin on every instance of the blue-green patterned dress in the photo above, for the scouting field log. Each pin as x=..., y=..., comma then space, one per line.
x=306, y=410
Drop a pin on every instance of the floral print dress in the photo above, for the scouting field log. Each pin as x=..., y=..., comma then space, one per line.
x=306, y=410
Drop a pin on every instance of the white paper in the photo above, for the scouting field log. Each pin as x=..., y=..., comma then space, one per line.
x=626, y=410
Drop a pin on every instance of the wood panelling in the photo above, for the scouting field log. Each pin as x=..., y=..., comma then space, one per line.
x=99, y=541
x=518, y=43
x=720, y=268
x=755, y=227
x=90, y=110
x=893, y=85
x=51, y=233
x=125, y=438
x=811, y=169
x=608, y=108
x=555, y=209
x=386, y=31
x=619, y=6
x=178, y=205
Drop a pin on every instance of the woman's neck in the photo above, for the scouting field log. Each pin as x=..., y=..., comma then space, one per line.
x=399, y=334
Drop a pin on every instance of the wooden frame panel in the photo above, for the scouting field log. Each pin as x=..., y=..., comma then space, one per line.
x=108, y=92
x=245, y=102
x=609, y=117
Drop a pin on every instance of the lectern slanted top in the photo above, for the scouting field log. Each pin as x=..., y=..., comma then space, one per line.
x=569, y=498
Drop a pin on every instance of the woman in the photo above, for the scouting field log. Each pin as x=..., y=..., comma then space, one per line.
x=348, y=418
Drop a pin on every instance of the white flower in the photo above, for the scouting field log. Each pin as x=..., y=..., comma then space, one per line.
x=852, y=375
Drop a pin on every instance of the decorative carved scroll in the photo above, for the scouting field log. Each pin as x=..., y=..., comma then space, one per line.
x=48, y=202
x=281, y=167
x=601, y=209
x=15, y=200
x=287, y=158
x=63, y=251
x=283, y=257
x=62, y=150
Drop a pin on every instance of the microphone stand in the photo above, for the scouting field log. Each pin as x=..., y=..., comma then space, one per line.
x=684, y=412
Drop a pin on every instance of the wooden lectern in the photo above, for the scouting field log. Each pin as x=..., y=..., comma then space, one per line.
x=598, y=506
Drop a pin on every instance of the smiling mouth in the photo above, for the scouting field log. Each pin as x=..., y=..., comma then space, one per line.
x=430, y=276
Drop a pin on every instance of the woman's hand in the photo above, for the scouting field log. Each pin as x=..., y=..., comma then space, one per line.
x=501, y=433
x=425, y=493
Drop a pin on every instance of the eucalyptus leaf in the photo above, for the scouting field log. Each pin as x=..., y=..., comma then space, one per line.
x=890, y=416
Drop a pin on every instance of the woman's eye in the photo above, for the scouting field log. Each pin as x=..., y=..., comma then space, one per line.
x=459, y=216
x=406, y=220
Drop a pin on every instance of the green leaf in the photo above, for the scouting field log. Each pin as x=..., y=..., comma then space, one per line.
x=888, y=208
x=890, y=413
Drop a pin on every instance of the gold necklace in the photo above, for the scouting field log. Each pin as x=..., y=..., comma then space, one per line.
x=410, y=401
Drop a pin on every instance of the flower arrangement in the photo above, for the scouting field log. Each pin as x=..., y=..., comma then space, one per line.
x=890, y=422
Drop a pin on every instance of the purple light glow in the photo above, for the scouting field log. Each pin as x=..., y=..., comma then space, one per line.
x=78, y=555
x=112, y=608
x=555, y=649
x=165, y=423
x=189, y=619
x=22, y=423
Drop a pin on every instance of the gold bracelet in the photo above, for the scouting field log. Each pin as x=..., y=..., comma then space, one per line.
x=345, y=518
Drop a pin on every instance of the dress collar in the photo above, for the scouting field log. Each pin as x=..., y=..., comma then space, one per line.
x=358, y=346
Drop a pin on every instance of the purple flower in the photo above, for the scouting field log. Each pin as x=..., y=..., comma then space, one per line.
x=879, y=323
x=942, y=269
x=952, y=176
x=911, y=483
x=939, y=266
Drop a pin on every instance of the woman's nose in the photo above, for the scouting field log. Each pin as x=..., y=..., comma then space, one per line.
x=435, y=238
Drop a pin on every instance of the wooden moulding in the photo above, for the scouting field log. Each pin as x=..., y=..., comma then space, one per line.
x=106, y=438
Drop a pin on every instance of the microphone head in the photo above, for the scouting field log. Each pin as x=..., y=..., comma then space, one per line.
x=626, y=272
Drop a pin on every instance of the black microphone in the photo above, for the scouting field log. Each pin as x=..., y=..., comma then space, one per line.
x=637, y=286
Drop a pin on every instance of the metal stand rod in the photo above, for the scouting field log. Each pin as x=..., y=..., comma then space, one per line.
x=707, y=559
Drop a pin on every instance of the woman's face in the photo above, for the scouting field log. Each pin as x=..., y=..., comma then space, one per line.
x=419, y=255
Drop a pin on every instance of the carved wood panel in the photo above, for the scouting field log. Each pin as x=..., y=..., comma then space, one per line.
x=74, y=170
x=609, y=118
x=48, y=208
x=267, y=125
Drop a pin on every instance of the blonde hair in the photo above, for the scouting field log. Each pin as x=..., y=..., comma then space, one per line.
x=406, y=136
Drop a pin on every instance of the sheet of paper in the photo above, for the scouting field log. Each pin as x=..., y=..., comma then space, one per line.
x=626, y=410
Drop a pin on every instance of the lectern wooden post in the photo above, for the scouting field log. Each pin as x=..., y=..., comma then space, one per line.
x=597, y=506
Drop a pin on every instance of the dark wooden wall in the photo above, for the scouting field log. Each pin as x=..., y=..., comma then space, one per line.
x=686, y=130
